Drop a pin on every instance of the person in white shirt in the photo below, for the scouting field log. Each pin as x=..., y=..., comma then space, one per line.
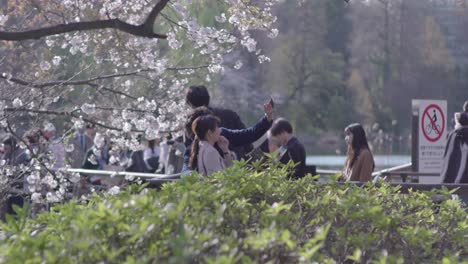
x=204, y=157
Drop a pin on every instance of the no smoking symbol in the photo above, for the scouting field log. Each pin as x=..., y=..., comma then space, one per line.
x=433, y=123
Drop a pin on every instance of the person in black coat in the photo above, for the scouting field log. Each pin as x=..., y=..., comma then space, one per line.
x=281, y=134
x=198, y=96
x=236, y=137
x=455, y=168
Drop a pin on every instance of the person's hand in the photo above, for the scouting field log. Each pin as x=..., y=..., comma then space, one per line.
x=268, y=108
x=223, y=143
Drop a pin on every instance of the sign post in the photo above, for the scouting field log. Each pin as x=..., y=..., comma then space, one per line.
x=432, y=127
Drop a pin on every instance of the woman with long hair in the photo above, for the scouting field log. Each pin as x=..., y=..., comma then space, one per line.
x=359, y=163
x=204, y=157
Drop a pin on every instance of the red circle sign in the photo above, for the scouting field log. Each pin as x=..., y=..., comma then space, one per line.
x=432, y=131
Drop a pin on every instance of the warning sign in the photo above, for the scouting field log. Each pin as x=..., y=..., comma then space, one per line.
x=432, y=136
x=433, y=123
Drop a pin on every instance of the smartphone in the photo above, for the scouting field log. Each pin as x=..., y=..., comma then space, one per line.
x=272, y=103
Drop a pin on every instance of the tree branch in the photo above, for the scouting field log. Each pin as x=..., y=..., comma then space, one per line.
x=63, y=113
x=149, y=22
x=64, y=82
x=143, y=30
x=68, y=83
x=91, y=80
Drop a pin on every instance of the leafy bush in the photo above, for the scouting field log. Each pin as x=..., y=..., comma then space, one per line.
x=243, y=215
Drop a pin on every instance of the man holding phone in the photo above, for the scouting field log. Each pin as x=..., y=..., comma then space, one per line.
x=236, y=137
x=198, y=96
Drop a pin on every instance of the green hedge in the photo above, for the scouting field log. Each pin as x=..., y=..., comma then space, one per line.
x=243, y=216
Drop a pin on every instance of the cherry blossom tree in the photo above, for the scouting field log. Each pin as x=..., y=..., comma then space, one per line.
x=122, y=65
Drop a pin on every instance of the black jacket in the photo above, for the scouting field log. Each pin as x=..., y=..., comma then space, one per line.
x=90, y=166
x=138, y=163
x=236, y=137
x=455, y=169
x=296, y=153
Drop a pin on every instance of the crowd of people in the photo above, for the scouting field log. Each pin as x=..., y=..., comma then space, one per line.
x=213, y=142
x=213, y=139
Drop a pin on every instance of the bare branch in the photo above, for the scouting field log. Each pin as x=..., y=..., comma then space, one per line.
x=149, y=22
x=143, y=30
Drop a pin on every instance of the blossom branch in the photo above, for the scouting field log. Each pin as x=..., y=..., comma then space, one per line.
x=68, y=83
x=143, y=30
x=64, y=113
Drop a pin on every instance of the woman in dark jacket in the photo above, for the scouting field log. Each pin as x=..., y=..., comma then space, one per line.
x=455, y=169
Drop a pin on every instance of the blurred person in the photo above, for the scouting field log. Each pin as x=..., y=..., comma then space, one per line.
x=164, y=147
x=97, y=157
x=35, y=142
x=204, y=157
x=151, y=154
x=13, y=155
x=359, y=163
x=113, y=164
x=91, y=130
x=176, y=156
x=55, y=146
x=282, y=139
x=81, y=144
x=137, y=162
x=455, y=166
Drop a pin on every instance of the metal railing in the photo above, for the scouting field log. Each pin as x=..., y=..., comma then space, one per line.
x=322, y=172
x=392, y=170
x=156, y=180
x=126, y=174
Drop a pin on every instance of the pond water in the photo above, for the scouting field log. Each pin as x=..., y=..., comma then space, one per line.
x=337, y=162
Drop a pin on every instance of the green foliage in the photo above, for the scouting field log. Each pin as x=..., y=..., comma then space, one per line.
x=244, y=215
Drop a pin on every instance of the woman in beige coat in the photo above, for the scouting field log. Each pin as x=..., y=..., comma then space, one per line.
x=205, y=158
x=359, y=163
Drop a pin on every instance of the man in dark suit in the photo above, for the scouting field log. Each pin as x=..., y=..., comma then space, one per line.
x=198, y=96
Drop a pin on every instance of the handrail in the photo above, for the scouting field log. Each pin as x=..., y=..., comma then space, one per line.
x=327, y=172
x=377, y=173
x=125, y=173
x=400, y=170
x=156, y=179
x=411, y=173
x=392, y=169
x=460, y=189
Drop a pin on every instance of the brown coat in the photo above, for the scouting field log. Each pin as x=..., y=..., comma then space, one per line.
x=362, y=167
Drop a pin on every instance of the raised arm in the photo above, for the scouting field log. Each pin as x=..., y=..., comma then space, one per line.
x=240, y=137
